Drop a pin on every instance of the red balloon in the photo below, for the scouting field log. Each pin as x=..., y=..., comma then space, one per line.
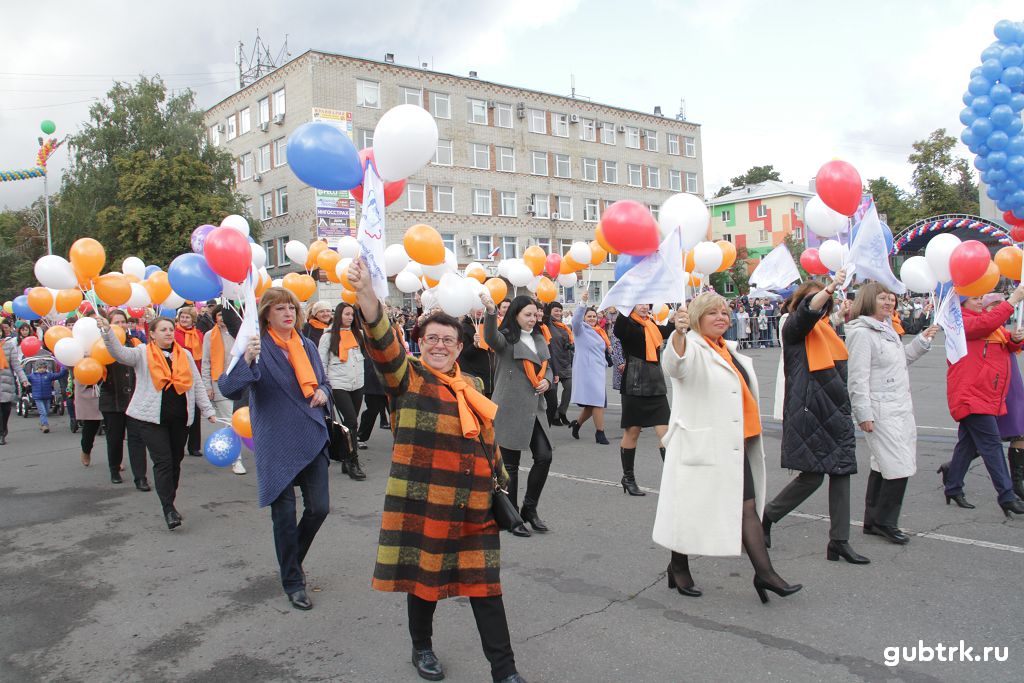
x=839, y=186
x=85, y=307
x=1010, y=218
x=811, y=262
x=630, y=228
x=30, y=346
x=968, y=262
x=136, y=313
x=1017, y=233
x=553, y=265
x=228, y=253
x=392, y=190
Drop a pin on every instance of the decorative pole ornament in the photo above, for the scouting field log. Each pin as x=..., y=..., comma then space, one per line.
x=46, y=150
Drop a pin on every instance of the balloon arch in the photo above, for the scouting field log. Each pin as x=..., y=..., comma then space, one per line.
x=915, y=237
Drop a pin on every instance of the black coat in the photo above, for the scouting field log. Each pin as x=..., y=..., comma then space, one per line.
x=817, y=424
x=116, y=390
x=474, y=361
x=641, y=377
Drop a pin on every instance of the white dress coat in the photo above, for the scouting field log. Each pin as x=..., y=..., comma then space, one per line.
x=700, y=505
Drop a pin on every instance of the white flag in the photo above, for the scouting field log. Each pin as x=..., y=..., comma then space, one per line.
x=869, y=254
x=658, y=277
x=777, y=270
x=250, y=320
x=371, y=235
x=950, y=318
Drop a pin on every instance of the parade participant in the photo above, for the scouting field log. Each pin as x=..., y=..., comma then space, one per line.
x=168, y=394
x=817, y=425
x=879, y=386
x=341, y=353
x=476, y=356
x=644, y=399
x=521, y=376
x=42, y=379
x=561, y=341
x=87, y=413
x=116, y=391
x=190, y=338
x=288, y=394
x=714, y=453
x=318, y=319
x=376, y=402
x=217, y=345
x=207, y=319
x=589, y=366
x=11, y=377
x=436, y=545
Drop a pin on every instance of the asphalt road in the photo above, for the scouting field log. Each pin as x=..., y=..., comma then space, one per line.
x=93, y=587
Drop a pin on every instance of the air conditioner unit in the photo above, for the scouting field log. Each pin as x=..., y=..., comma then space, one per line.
x=621, y=128
x=465, y=243
x=491, y=104
x=220, y=127
x=279, y=119
x=574, y=118
x=530, y=210
x=554, y=216
x=470, y=251
x=521, y=110
x=258, y=178
x=263, y=126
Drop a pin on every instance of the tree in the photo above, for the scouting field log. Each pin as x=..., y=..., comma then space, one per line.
x=22, y=241
x=754, y=175
x=942, y=183
x=738, y=274
x=899, y=207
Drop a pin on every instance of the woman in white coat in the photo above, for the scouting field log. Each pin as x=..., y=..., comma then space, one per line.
x=713, y=481
x=879, y=386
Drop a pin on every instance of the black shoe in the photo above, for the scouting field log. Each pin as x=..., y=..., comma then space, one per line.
x=427, y=665
x=563, y=420
x=196, y=454
x=766, y=526
x=172, y=518
x=300, y=600
x=1016, y=456
x=142, y=484
x=837, y=549
x=361, y=445
x=688, y=591
x=115, y=478
x=385, y=425
x=892, y=533
x=355, y=471
x=629, y=484
x=3, y=439
x=1014, y=506
x=960, y=501
x=601, y=438
x=514, y=678
x=760, y=585
x=944, y=472
x=521, y=531
x=575, y=426
x=529, y=515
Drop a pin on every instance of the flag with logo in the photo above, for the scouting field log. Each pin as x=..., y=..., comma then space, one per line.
x=950, y=318
x=371, y=230
x=869, y=255
x=777, y=270
x=656, y=278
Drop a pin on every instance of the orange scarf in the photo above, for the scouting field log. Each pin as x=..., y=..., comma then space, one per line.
x=316, y=324
x=604, y=335
x=897, y=324
x=824, y=347
x=535, y=377
x=162, y=375
x=652, y=336
x=299, y=361
x=568, y=331
x=473, y=406
x=546, y=332
x=751, y=414
x=193, y=341
x=3, y=356
x=346, y=341
x=480, y=331
x=998, y=336
x=216, y=353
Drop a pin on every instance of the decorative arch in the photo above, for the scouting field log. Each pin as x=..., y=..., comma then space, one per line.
x=917, y=235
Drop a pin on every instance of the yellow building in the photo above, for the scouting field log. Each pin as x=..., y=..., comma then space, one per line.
x=758, y=217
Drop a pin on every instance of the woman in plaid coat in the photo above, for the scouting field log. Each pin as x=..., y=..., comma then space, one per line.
x=438, y=538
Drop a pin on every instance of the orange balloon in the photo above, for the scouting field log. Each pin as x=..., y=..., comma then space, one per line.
x=661, y=313
x=1009, y=259
x=429, y=282
x=478, y=274
x=158, y=286
x=302, y=286
x=599, y=238
x=132, y=278
x=119, y=332
x=498, y=289
x=88, y=371
x=327, y=259
x=68, y=300
x=55, y=334
x=598, y=254
x=983, y=285
x=546, y=290
x=534, y=257
x=113, y=290
x=241, y=423
x=345, y=283
x=348, y=297
x=424, y=245
x=315, y=248
x=40, y=300
x=87, y=256
x=100, y=353
x=262, y=286
x=688, y=264
x=694, y=281
x=728, y=255
x=568, y=265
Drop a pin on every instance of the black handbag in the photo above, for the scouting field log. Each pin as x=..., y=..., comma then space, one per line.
x=505, y=513
x=339, y=446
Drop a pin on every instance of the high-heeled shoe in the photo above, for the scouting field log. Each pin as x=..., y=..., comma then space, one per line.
x=575, y=426
x=766, y=527
x=760, y=585
x=1013, y=506
x=600, y=438
x=529, y=515
x=943, y=471
x=960, y=501
x=690, y=592
x=837, y=549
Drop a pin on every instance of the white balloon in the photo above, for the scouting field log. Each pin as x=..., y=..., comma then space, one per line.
x=688, y=213
x=395, y=259
x=86, y=332
x=519, y=274
x=276, y=283
x=341, y=266
x=349, y=247
x=133, y=265
x=68, y=351
x=296, y=251
x=404, y=141
x=823, y=221
x=503, y=267
x=580, y=253
x=415, y=268
x=567, y=279
x=173, y=300
x=831, y=254
x=140, y=297
x=55, y=271
x=450, y=265
x=454, y=295
x=232, y=290
x=237, y=222
x=707, y=257
x=407, y=282
x=937, y=253
x=532, y=284
x=429, y=298
x=259, y=256
x=917, y=275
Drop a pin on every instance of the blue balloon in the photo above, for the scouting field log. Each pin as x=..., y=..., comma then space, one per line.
x=1013, y=76
x=981, y=149
x=193, y=279
x=979, y=85
x=969, y=138
x=997, y=159
x=1000, y=116
x=150, y=270
x=623, y=264
x=1000, y=94
x=1012, y=56
x=166, y=312
x=323, y=157
x=995, y=176
x=991, y=69
x=222, y=447
x=993, y=193
x=998, y=140
x=1015, y=126
x=1016, y=102
x=21, y=309
x=982, y=105
x=1015, y=164
x=982, y=128
x=1016, y=145
x=968, y=98
x=967, y=116
x=1005, y=30
x=981, y=163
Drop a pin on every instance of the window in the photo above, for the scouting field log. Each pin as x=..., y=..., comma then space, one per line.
x=726, y=217
x=608, y=133
x=477, y=111
x=654, y=209
x=560, y=125
x=509, y=247
x=266, y=205
x=538, y=120
x=215, y=134
x=564, y=206
x=539, y=163
x=508, y=207
x=480, y=155
x=651, y=140
x=281, y=201
x=263, y=158
x=588, y=130
x=632, y=137
x=503, y=115
x=282, y=255
x=246, y=163
x=591, y=210
x=611, y=172
x=448, y=240
x=545, y=244
x=690, y=147
x=264, y=109
x=762, y=211
x=635, y=176
x=505, y=159
x=762, y=235
x=654, y=177
x=232, y=127
x=673, y=143
x=244, y=121
x=691, y=182
x=542, y=206
x=443, y=153
x=675, y=180
x=415, y=197
x=483, y=247
x=280, y=152
x=271, y=252
x=482, y=202
x=444, y=199
x=412, y=96
x=279, y=102
x=368, y=93
x=563, y=246
x=364, y=138
x=730, y=288
x=589, y=168
x=562, y=166
x=441, y=105
x=727, y=236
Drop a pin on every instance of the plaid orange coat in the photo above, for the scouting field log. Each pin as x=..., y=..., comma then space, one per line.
x=438, y=538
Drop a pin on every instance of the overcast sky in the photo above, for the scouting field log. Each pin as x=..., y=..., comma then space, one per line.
x=788, y=83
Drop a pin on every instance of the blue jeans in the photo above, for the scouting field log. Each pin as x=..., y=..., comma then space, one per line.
x=291, y=540
x=980, y=434
x=43, y=404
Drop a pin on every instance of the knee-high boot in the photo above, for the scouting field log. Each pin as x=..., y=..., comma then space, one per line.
x=628, y=457
x=1017, y=470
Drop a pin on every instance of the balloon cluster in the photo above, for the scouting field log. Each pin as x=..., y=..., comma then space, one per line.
x=827, y=215
x=223, y=447
x=967, y=265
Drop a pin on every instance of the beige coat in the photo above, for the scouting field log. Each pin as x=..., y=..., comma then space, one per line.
x=700, y=506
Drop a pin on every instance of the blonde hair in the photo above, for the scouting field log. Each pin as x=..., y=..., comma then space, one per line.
x=190, y=310
x=275, y=296
x=701, y=304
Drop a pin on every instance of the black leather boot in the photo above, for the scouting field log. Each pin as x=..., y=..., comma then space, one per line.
x=628, y=457
x=1017, y=471
x=354, y=469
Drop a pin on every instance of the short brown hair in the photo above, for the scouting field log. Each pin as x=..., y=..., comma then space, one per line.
x=157, y=320
x=442, y=318
x=864, y=303
x=279, y=295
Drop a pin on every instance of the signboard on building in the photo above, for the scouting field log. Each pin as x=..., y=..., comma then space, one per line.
x=335, y=209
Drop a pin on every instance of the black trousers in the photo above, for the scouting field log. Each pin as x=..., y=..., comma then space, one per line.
x=801, y=488
x=118, y=425
x=491, y=623
x=292, y=540
x=376, y=406
x=347, y=404
x=553, y=404
x=883, y=500
x=541, y=450
x=166, y=446
x=90, y=428
x=5, y=416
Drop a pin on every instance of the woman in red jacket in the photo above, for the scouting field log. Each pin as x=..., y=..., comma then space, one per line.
x=976, y=387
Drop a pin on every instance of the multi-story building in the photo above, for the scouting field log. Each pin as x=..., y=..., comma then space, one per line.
x=758, y=217
x=513, y=167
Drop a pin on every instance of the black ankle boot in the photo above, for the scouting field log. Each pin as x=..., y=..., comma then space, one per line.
x=600, y=438
x=628, y=457
x=529, y=515
x=575, y=426
x=1017, y=471
x=661, y=450
x=354, y=469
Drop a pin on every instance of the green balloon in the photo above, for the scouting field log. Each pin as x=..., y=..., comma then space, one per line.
x=48, y=126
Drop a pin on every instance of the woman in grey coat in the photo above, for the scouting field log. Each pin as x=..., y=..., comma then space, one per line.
x=521, y=377
x=11, y=375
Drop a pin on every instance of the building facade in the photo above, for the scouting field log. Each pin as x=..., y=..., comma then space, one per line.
x=759, y=217
x=513, y=167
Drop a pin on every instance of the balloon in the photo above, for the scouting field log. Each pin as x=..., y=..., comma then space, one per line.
x=822, y=220
x=135, y=312
x=393, y=189
x=68, y=300
x=236, y=223
x=454, y=296
x=327, y=260
x=623, y=264
x=140, y=296
x=424, y=245
x=223, y=447
x=395, y=259
x=86, y=332
x=983, y=285
x=688, y=213
x=88, y=371
x=569, y=265
x=152, y=269
x=296, y=251
x=113, y=290
x=158, y=286
x=497, y=288
x=449, y=265
x=241, y=423
x=68, y=351
x=40, y=300
x=1009, y=218
x=54, y=271
x=532, y=284
x=87, y=257
x=30, y=346
x=568, y=280
x=630, y=228
x=48, y=127
x=1009, y=261
x=534, y=258
x=476, y=272
x=85, y=307
x=831, y=254
x=404, y=141
x=348, y=296
x=302, y=286
x=21, y=309
x=707, y=257
x=198, y=239
x=938, y=253
x=54, y=334
x=580, y=253
x=259, y=256
x=323, y=157
x=728, y=255
x=407, y=282
x=99, y=352
x=968, y=262
x=173, y=301
x=917, y=275
x=315, y=247
x=553, y=265
x=810, y=260
x=9, y=307
x=228, y=253
x=248, y=443
x=519, y=274
x=598, y=254
x=192, y=278
x=661, y=313
x=133, y=265
x=546, y=290
x=603, y=241
x=348, y=247
x=839, y=186
x=120, y=333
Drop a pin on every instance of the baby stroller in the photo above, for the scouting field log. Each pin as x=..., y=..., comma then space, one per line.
x=26, y=406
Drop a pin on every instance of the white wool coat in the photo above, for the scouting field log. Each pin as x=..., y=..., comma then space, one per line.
x=700, y=505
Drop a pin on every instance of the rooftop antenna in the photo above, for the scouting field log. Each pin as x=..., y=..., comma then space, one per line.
x=572, y=85
x=259, y=62
x=681, y=116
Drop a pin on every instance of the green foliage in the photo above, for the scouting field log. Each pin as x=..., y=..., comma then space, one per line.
x=754, y=175
x=942, y=183
x=21, y=243
x=796, y=248
x=738, y=274
x=897, y=205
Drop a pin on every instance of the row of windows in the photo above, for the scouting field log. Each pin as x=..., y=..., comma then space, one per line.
x=271, y=107
x=273, y=203
x=271, y=155
x=541, y=121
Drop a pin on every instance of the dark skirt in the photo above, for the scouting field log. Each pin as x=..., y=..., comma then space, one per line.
x=644, y=411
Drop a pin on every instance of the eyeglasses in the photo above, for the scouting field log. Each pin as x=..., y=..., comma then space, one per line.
x=434, y=340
